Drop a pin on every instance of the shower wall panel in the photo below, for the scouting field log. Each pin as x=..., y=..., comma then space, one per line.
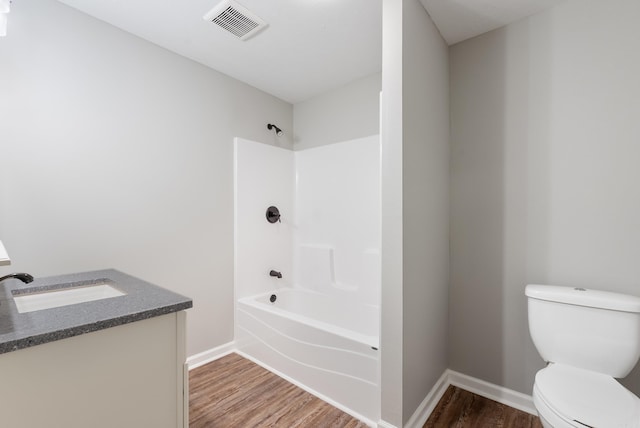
x=337, y=217
x=264, y=177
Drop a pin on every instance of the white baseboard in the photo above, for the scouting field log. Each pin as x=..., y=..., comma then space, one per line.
x=429, y=403
x=502, y=395
x=493, y=392
x=383, y=424
x=209, y=355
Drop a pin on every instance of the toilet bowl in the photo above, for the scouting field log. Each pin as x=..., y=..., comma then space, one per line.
x=588, y=338
x=566, y=397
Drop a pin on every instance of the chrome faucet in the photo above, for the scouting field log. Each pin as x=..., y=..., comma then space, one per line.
x=276, y=274
x=24, y=277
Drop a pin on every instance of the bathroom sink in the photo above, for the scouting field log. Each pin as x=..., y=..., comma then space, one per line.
x=37, y=299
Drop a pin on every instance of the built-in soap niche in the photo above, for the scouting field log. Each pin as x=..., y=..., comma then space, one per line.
x=4, y=257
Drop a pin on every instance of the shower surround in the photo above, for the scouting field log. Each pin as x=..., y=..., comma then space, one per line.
x=317, y=325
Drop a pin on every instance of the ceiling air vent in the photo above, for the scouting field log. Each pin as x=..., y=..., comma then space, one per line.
x=236, y=19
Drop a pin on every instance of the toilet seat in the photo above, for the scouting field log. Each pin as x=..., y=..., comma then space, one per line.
x=548, y=416
x=571, y=397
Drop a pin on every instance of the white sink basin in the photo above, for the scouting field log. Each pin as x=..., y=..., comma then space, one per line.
x=55, y=298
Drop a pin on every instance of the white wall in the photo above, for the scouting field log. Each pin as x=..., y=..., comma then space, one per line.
x=264, y=177
x=342, y=114
x=117, y=153
x=337, y=210
x=544, y=174
x=415, y=212
x=328, y=239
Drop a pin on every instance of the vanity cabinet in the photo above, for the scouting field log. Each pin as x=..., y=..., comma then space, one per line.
x=118, y=362
x=131, y=375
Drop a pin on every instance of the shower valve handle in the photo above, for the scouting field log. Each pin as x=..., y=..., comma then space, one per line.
x=273, y=215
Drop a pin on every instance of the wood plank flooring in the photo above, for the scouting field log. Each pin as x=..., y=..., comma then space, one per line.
x=234, y=392
x=462, y=409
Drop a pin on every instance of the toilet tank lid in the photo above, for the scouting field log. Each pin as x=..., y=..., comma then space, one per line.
x=584, y=297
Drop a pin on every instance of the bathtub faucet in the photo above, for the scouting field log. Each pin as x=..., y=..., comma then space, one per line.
x=276, y=274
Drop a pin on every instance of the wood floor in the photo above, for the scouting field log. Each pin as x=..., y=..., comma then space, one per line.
x=234, y=392
x=461, y=409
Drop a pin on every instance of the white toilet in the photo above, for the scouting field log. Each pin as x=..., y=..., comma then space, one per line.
x=588, y=338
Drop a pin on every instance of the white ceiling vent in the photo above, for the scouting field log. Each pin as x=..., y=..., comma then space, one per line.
x=236, y=19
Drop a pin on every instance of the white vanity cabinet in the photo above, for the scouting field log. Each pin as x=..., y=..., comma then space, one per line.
x=129, y=375
x=71, y=360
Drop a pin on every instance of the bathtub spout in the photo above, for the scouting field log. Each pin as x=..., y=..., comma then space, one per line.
x=276, y=274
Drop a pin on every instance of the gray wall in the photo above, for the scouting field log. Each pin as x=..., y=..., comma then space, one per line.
x=415, y=209
x=545, y=177
x=345, y=113
x=425, y=176
x=118, y=153
x=391, y=201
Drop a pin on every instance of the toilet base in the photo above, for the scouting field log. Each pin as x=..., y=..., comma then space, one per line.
x=544, y=422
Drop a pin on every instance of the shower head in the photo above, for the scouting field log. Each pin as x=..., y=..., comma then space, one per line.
x=278, y=131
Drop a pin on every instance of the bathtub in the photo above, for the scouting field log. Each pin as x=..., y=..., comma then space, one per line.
x=327, y=344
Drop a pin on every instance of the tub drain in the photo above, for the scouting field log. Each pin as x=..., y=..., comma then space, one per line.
x=273, y=298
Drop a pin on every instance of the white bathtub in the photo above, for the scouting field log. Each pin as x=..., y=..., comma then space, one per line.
x=326, y=343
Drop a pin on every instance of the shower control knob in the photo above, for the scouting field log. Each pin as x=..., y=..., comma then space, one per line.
x=273, y=214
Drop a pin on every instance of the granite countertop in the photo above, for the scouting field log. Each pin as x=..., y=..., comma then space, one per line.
x=141, y=301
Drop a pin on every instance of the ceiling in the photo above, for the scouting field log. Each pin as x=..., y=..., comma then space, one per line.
x=309, y=46
x=459, y=20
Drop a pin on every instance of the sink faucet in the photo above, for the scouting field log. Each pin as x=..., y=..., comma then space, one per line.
x=24, y=277
x=276, y=274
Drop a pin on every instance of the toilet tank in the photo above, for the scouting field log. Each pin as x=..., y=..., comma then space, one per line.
x=590, y=329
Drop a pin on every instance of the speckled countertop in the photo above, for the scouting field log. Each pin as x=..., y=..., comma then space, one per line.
x=142, y=300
